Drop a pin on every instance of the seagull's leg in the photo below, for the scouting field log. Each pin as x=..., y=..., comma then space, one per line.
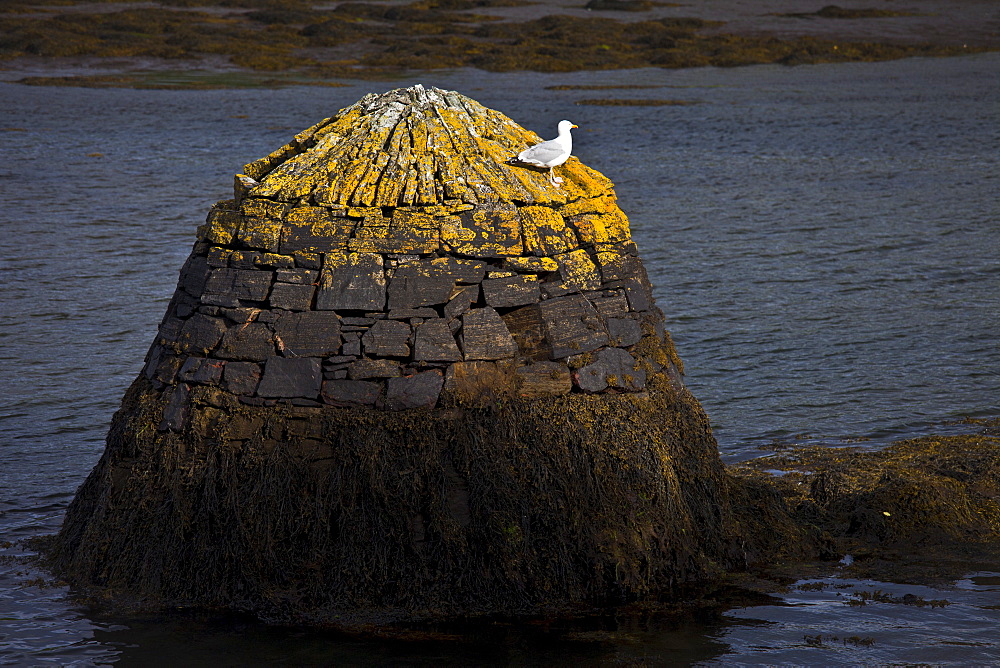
x=553, y=179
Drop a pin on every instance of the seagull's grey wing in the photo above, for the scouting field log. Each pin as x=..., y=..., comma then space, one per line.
x=543, y=153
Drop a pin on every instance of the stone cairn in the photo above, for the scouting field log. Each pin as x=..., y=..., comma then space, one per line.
x=388, y=254
x=399, y=377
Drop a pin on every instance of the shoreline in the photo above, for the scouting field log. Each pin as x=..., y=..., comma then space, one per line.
x=163, y=46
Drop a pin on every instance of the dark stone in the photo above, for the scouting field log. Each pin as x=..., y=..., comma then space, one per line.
x=241, y=377
x=291, y=297
x=572, y=326
x=357, y=322
x=193, y=275
x=291, y=377
x=240, y=315
x=352, y=344
x=409, y=289
x=248, y=284
x=624, y=332
x=226, y=301
x=201, y=333
x=373, y=369
x=554, y=289
x=351, y=392
x=528, y=329
x=613, y=367
x=512, y=291
x=387, y=338
x=167, y=368
x=337, y=361
x=252, y=341
x=420, y=390
x=462, y=301
x=485, y=336
x=308, y=334
x=408, y=313
x=544, y=379
x=358, y=283
x=170, y=329
x=175, y=413
x=435, y=342
x=201, y=371
x=613, y=305
x=296, y=276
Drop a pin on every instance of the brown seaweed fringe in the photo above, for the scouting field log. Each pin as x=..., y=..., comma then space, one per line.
x=502, y=506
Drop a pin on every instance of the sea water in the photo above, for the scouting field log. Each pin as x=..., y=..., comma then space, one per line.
x=824, y=241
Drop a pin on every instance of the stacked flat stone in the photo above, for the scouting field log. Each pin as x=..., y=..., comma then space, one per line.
x=388, y=256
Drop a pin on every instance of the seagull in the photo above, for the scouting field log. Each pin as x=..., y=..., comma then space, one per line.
x=551, y=153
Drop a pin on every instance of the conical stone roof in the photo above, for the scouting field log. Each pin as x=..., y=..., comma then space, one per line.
x=398, y=378
x=389, y=252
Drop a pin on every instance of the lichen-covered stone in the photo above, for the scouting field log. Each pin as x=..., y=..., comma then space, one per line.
x=352, y=281
x=511, y=291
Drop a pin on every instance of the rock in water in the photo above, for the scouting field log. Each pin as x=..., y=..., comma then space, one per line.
x=399, y=378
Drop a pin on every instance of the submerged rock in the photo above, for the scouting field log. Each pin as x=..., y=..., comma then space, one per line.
x=401, y=378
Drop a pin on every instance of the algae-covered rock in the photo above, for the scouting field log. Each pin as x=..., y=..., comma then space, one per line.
x=399, y=377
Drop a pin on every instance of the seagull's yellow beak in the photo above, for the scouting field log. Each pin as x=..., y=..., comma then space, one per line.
x=574, y=126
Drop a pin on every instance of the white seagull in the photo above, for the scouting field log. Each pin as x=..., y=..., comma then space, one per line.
x=551, y=153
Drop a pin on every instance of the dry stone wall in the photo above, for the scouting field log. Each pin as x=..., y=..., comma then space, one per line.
x=387, y=257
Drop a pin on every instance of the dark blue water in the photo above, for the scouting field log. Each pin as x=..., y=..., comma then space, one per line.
x=824, y=240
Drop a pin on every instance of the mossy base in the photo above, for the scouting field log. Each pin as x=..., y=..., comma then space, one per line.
x=331, y=515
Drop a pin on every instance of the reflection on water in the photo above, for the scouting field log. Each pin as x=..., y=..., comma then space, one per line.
x=822, y=240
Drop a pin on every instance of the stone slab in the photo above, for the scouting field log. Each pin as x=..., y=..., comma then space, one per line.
x=201, y=333
x=613, y=367
x=351, y=392
x=543, y=379
x=241, y=377
x=434, y=342
x=387, y=338
x=286, y=377
x=291, y=297
x=572, y=326
x=201, y=370
x=308, y=334
x=367, y=368
x=527, y=327
x=624, y=332
x=421, y=390
x=355, y=281
x=507, y=292
x=247, y=284
x=485, y=336
x=253, y=341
